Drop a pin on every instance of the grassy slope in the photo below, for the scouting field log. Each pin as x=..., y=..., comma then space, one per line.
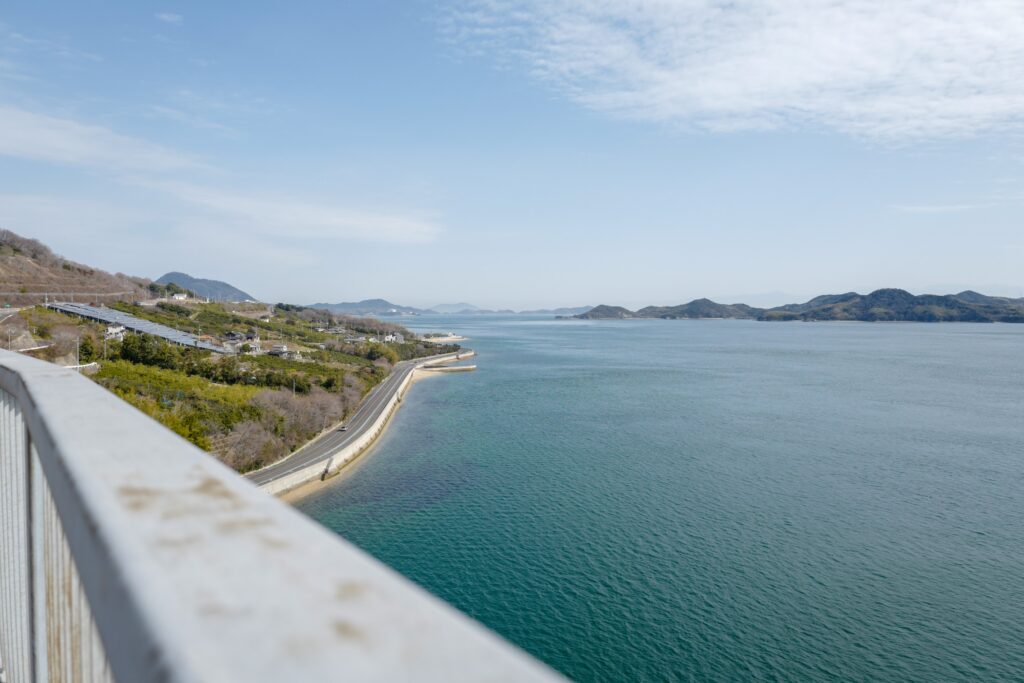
x=194, y=407
x=247, y=410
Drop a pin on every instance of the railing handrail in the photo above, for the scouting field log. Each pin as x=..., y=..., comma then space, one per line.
x=192, y=573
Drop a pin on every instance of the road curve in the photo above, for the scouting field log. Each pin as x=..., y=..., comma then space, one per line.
x=359, y=422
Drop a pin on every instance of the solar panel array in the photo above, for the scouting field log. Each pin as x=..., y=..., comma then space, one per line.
x=130, y=322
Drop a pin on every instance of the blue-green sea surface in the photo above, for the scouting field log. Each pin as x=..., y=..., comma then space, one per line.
x=715, y=500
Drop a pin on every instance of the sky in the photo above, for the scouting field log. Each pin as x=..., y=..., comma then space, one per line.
x=523, y=154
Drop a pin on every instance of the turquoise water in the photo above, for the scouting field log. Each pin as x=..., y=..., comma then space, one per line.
x=715, y=500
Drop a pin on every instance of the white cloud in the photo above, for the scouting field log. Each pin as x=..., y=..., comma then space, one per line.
x=79, y=228
x=47, y=210
x=270, y=249
x=206, y=111
x=15, y=43
x=190, y=119
x=28, y=135
x=140, y=163
x=299, y=219
x=880, y=68
x=170, y=18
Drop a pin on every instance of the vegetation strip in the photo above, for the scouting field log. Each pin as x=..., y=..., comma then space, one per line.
x=249, y=409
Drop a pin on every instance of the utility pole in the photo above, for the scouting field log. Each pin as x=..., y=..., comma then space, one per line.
x=78, y=357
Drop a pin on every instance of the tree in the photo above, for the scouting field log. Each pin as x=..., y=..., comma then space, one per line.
x=376, y=351
x=141, y=348
x=228, y=370
x=86, y=350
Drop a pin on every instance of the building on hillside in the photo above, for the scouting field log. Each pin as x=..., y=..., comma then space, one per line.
x=282, y=351
x=241, y=346
x=394, y=338
x=253, y=340
x=179, y=297
x=115, y=332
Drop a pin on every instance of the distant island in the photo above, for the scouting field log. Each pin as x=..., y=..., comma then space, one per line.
x=603, y=312
x=381, y=307
x=882, y=305
x=570, y=310
x=878, y=306
x=370, y=307
x=458, y=308
x=700, y=308
x=214, y=290
x=472, y=310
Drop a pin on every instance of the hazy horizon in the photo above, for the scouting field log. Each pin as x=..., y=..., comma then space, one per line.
x=764, y=300
x=521, y=154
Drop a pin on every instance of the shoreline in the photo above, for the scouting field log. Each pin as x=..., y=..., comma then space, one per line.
x=316, y=472
x=352, y=465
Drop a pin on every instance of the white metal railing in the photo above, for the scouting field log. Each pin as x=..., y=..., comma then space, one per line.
x=127, y=554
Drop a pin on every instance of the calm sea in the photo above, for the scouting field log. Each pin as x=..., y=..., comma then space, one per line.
x=715, y=500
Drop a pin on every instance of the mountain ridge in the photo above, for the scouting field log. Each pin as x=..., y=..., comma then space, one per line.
x=881, y=305
x=214, y=290
x=30, y=273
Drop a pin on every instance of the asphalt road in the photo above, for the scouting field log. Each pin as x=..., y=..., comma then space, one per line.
x=360, y=421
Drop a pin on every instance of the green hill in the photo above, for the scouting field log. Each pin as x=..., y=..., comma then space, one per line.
x=900, y=305
x=878, y=306
x=30, y=273
x=370, y=307
x=604, y=312
x=214, y=290
x=700, y=308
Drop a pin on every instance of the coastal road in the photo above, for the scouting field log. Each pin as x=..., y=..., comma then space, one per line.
x=360, y=421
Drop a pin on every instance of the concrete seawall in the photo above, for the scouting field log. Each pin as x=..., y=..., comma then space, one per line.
x=325, y=468
x=428, y=370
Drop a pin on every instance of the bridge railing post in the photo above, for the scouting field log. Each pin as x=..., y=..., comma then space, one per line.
x=15, y=594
